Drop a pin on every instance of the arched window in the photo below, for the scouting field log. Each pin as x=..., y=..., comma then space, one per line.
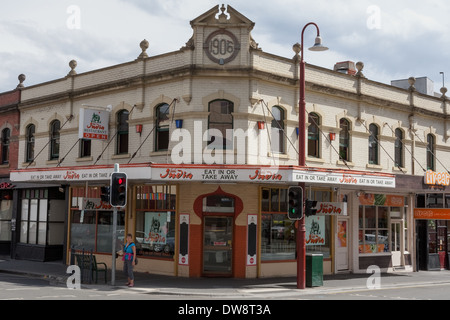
x=399, y=162
x=122, y=132
x=5, y=139
x=373, y=144
x=344, y=140
x=313, y=135
x=431, y=149
x=55, y=126
x=221, y=119
x=29, y=138
x=278, y=130
x=162, y=127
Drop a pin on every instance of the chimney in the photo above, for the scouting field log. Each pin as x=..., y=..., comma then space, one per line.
x=347, y=67
x=423, y=85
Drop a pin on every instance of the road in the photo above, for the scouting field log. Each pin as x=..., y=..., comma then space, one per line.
x=19, y=287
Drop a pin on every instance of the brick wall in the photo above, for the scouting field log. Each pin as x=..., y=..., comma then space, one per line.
x=10, y=118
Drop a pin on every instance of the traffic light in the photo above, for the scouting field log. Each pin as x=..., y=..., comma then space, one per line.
x=295, y=204
x=118, y=189
x=310, y=207
x=104, y=194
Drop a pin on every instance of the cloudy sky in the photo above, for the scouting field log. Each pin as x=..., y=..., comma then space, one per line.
x=394, y=39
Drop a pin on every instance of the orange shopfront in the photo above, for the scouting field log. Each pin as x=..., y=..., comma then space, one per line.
x=207, y=220
x=432, y=215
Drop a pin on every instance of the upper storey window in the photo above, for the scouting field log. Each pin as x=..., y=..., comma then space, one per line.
x=29, y=138
x=431, y=149
x=220, y=120
x=373, y=144
x=122, y=132
x=162, y=127
x=344, y=140
x=54, y=139
x=313, y=135
x=5, y=139
x=278, y=130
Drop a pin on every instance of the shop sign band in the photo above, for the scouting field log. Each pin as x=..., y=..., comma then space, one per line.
x=437, y=178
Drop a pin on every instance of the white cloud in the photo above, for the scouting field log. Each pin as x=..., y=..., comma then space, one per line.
x=413, y=38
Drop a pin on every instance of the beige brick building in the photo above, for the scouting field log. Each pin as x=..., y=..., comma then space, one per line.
x=202, y=208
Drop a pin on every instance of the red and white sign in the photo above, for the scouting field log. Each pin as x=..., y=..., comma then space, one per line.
x=99, y=173
x=223, y=174
x=220, y=174
x=94, y=124
x=331, y=208
x=344, y=178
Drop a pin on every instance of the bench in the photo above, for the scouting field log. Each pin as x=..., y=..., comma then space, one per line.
x=85, y=263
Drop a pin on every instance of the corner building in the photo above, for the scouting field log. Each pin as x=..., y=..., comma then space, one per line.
x=202, y=202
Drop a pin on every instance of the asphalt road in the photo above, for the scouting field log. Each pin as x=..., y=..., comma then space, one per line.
x=18, y=287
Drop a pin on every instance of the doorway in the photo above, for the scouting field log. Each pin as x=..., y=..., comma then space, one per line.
x=396, y=242
x=342, y=243
x=432, y=244
x=218, y=246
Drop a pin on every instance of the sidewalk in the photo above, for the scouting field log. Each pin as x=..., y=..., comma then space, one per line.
x=55, y=272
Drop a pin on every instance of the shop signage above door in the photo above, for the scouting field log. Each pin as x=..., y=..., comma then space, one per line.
x=204, y=173
x=212, y=174
x=94, y=124
x=343, y=179
x=437, y=178
x=432, y=214
x=75, y=174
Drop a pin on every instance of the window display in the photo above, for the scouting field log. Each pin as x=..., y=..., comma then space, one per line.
x=155, y=220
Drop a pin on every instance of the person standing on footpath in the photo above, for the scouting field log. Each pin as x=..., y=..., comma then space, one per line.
x=129, y=259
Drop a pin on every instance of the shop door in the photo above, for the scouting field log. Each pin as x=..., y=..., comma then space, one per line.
x=217, y=246
x=396, y=243
x=442, y=243
x=342, y=243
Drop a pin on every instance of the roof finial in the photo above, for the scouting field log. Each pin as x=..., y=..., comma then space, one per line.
x=21, y=80
x=223, y=17
x=144, y=46
x=72, y=64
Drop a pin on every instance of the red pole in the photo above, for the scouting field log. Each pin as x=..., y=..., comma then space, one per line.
x=301, y=229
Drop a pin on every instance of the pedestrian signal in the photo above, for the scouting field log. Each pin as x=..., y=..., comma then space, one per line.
x=118, y=189
x=295, y=203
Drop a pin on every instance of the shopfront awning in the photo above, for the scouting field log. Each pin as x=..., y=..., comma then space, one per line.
x=263, y=174
x=69, y=175
x=170, y=173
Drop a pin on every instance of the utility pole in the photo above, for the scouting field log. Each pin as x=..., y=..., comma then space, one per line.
x=114, y=238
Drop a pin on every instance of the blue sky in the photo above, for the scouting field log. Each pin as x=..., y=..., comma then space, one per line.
x=394, y=39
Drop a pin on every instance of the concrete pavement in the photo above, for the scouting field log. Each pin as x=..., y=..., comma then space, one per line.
x=225, y=287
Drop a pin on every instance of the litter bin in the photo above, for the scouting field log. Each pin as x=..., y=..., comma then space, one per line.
x=314, y=269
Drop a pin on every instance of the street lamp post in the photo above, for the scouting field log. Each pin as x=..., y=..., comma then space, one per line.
x=301, y=230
